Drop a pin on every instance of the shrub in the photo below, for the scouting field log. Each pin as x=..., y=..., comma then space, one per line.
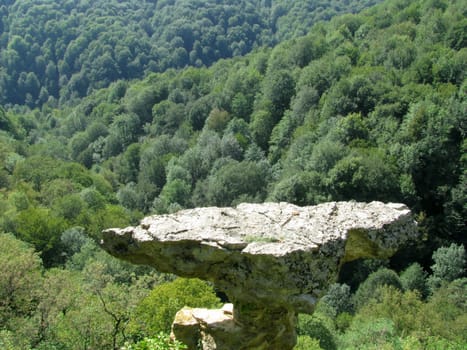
x=304, y=342
x=446, y=311
x=160, y=342
x=370, y=335
x=318, y=328
x=338, y=299
x=414, y=278
x=450, y=263
x=369, y=289
x=403, y=309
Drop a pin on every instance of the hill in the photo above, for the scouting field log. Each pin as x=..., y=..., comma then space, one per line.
x=368, y=106
x=65, y=49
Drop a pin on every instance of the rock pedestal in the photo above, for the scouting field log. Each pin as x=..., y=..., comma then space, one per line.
x=223, y=329
x=272, y=260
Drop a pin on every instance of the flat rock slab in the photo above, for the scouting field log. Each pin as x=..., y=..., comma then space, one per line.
x=270, y=253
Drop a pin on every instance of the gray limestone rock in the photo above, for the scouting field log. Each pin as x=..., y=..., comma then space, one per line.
x=273, y=260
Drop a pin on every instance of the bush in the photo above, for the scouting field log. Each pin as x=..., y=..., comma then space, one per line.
x=403, y=309
x=446, y=311
x=414, y=278
x=337, y=299
x=370, y=335
x=304, y=342
x=430, y=343
x=440, y=320
x=369, y=289
x=318, y=328
x=450, y=263
x=343, y=321
x=8, y=341
x=160, y=342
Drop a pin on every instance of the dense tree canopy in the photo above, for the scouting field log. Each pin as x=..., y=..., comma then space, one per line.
x=368, y=106
x=61, y=50
x=328, y=116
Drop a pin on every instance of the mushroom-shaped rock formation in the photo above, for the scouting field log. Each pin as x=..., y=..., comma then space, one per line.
x=272, y=260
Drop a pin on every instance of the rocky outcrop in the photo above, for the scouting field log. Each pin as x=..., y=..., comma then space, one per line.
x=272, y=260
x=246, y=327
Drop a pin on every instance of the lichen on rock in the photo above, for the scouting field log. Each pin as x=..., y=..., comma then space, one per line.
x=272, y=260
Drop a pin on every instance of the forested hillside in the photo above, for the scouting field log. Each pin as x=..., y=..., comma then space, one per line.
x=65, y=49
x=370, y=106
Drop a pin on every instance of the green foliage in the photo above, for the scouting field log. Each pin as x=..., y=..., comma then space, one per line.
x=337, y=300
x=343, y=321
x=304, y=342
x=237, y=181
x=370, y=335
x=36, y=170
x=167, y=117
x=20, y=269
x=399, y=307
x=8, y=342
x=370, y=106
x=262, y=124
x=435, y=343
x=336, y=113
x=413, y=278
x=76, y=48
x=371, y=288
x=156, y=312
x=278, y=89
x=450, y=264
x=41, y=228
x=318, y=328
x=446, y=311
x=73, y=240
x=176, y=191
x=217, y=120
x=302, y=188
x=162, y=341
x=363, y=177
x=414, y=323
